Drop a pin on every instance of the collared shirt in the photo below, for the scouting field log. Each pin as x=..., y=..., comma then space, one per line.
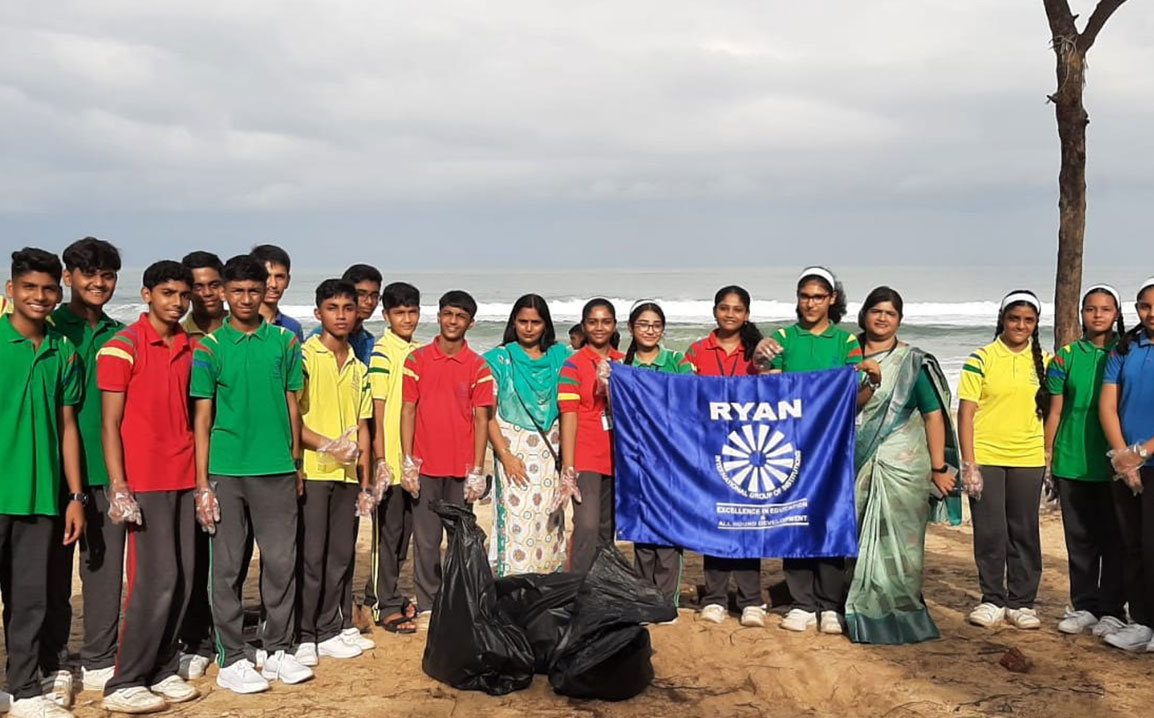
x=335, y=399
x=1080, y=445
x=387, y=379
x=1004, y=384
x=360, y=340
x=284, y=320
x=580, y=392
x=708, y=358
x=88, y=340
x=249, y=376
x=1133, y=372
x=446, y=389
x=34, y=384
x=802, y=350
x=667, y=361
x=159, y=451
x=195, y=333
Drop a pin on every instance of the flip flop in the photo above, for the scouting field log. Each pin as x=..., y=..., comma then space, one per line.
x=407, y=614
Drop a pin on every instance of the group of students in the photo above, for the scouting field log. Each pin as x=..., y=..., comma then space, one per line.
x=289, y=438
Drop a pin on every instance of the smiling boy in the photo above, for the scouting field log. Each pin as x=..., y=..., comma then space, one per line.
x=207, y=294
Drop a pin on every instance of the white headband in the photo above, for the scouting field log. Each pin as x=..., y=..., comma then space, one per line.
x=1108, y=289
x=639, y=302
x=1146, y=285
x=818, y=272
x=1027, y=297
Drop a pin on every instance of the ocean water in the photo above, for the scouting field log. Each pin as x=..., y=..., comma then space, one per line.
x=948, y=310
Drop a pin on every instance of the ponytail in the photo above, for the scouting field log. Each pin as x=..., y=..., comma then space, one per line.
x=751, y=336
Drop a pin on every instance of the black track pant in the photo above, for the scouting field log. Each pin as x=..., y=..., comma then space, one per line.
x=746, y=573
x=1136, y=526
x=593, y=519
x=660, y=567
x=1007, y=542
x=1093, y=546
x=392, y=528
x=428, y=530
x=196, y=632
x=328, y=529
x=817, y=584
x=25, y=548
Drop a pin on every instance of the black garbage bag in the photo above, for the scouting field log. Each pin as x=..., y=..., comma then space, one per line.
x=542, y=605
x=605, y=653
x=470, y=646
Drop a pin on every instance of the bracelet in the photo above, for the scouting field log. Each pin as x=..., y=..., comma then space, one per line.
x=943, y=469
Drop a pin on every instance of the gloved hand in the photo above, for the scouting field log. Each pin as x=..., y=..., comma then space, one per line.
x=972, y=480
x=366, y=503
x=566, y=489
x=767, y=350
x=382, y=479
x=1133, y=457
x=604, y=369
x=122, y=507
x=207, y=509
x=343, y=449
x=1049, y=487
x=475, y=484
x=411, y=476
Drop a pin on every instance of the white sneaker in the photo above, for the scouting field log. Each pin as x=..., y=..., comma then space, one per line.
x=134, y=700
x=192, y=665
x=986, y=615
x=337, y=647
x=831, y=623
x=285, y=668
x=37, y=707
x=753, y=617
x=306, y=654
x=1025, y=619
x=1107, y=625
x=354, y=637
x=97, y=678
x=799, y=620
x=241, y=677
x=261, y=655
x=174, y=690
x=714, y=613
x=57, y=688
x=1133, y=638
x=1075, y=622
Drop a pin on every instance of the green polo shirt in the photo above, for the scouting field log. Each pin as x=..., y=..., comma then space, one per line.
x=1080, y=446
x=88, y=340
x=34, y=384
x=805, y=351
x=666, y=361
x=248, y=376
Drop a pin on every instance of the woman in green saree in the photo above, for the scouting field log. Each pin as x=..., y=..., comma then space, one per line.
x=905, y=454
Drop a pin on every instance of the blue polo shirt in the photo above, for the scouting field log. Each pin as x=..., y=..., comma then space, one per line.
x=1134, y=373
x=361, y=341
x=284, y=320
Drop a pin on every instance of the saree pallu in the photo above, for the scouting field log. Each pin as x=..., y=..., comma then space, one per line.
x=893, y=490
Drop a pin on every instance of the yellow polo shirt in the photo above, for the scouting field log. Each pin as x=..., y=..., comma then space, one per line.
x=387, y=378
x=5, y=305
x=1007, y=430
x=333, y=400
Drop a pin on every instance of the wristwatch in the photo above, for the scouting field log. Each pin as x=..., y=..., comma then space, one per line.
x=298, y=464
x=82, y=498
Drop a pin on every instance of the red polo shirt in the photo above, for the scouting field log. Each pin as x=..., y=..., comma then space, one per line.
x=578, y=393
x=446, y=390
x=708, y=358
x=156, y=432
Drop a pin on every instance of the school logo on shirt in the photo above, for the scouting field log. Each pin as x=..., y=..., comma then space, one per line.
x=758, y=460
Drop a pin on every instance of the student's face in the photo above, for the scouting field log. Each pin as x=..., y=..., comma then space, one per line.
x=93, y=288
x=1099, y=312
x=338, y=315
x=169, y=301
x=244, y=298
x=599, y=326
x=813, y=301
x=648, y=329
x=368, y=297
x=882, y=322
x=576, y=340
x=529, y=326
x=278, y=282
x=454, y=322
x=731, y=313
x=1145, y=307
x=1018, y=325
x=207, y=292
x=34, y=295
x=403, y=320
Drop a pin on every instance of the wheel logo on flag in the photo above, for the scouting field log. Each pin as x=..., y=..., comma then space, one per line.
x=758, y=461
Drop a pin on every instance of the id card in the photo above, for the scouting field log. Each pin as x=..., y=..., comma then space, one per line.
x=606, y=421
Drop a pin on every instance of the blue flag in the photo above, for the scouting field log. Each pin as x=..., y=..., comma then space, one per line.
x=736, y=467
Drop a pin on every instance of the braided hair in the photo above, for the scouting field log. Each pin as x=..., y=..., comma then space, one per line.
x=1042, y=397
x=633, y=317
x=750, y=335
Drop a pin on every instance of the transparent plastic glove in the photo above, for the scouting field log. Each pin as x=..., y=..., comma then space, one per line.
x=972, y=480
x=604, y=369
x=366, y=503
x=382, y=479
x=343, y=449
x=411, y=476
x=475, y=484
x=122, y=507
x=207, y=509
x=566, y=489
x=767, y=350
x=1132, y=479
x=1131, y=458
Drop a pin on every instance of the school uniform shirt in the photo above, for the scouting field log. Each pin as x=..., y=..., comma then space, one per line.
x=248, y=375
x=1075, y=373
x=5, y=305
x=361, y=341
x=195, y=333
x=578, y=393
x=387, y=381
x=34, y=384
x=1007, y=430
x=284, y=320
x=447, y=390
x=667, y=361
x=802, y=350
x=708, y=358
x=159, y=450
x=88, y=340
x=1133, y=373
x=334, y=400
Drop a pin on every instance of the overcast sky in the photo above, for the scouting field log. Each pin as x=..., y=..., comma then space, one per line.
x=540, y=133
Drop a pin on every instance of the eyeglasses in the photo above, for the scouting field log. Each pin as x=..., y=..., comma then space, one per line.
x=647, y=327
x=812, y=298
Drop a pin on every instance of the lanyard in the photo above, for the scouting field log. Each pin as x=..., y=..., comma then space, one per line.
x=721, y=367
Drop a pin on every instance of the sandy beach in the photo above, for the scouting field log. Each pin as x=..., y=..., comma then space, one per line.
x=710, y=670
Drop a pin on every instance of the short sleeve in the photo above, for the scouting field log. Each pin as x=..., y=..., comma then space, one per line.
x=379, y=374
x=72, y=377
x=114, y=363
x=688, y=363
x=681, y=366
x=205, y=369
x=1113, y=373
x=1058, y=371
x=304, y=402
x=366, y=407
x=569, y=388
x=412, y=381
x=924, y=394
x=482, y=389
x=779, y=360
x=853, y=355
x=973, y=377
x=294, y=366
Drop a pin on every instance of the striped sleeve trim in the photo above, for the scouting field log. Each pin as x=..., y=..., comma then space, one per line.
x=566, y=396
x=112, y=352
x=378, y=370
